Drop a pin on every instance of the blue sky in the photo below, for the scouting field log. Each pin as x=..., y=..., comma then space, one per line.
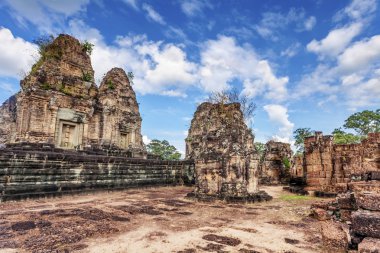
x=305, y=63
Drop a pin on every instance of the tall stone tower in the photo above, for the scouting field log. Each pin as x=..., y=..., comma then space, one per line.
x=221, y=145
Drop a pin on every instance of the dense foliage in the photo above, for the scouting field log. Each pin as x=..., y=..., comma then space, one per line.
x=163, y=149
x=299, y=136
x=364, y=122
x=341, y=137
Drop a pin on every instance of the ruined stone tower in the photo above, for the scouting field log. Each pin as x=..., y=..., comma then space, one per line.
x=221, y=145
x=60, y=104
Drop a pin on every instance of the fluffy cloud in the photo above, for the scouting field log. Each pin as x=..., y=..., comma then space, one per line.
x=336, y=41
x=146, y=139
x=17, y=55
x=153, y=14
x=159, y=68
x=360, y=55
x=278, y=114
x=194, y=7
x=48, y=16
x=223, y=61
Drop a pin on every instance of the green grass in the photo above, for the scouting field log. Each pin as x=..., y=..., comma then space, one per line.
x=295, y=197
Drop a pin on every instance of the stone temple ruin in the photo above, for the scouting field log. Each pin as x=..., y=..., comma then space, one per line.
x=60, y=104
x=226, y=162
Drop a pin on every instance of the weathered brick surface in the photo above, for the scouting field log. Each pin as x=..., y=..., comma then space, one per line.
x=331, y=167
x=334, y=237
x=59, y=103
x=220, y=143
x=366, y=224
x=273, y=167
x=369, y=245
x=368, y=200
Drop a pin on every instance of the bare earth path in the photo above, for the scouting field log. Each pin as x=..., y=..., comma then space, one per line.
x=158, y=220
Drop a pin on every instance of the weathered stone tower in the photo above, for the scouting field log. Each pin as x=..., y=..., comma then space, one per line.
x=60, y=104
x=275, y=167
x=221, y=145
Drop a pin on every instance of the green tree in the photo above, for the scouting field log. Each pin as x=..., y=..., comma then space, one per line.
x=87, y=47
x=364, y=122
x=163, y=149
x=341, y=137
x=260, y=148
x=299, y=136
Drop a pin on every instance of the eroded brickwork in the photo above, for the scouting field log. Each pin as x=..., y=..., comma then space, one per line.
x=331, y=167
x=221, y=145
x=276, y=164
x=60, y=104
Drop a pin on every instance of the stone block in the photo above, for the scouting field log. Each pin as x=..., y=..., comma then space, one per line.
x=368, y=200
x=369, y=245
x=365, y=223
x=363, y=186
x=320, y=214
x=346, y=201
x=334, y=238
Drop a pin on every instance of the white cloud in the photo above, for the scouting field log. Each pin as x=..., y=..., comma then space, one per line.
x=292, y=50
x=194, y=7
x=153, y=14
x=279, y=115
x=17, y=55
x=159, y=68
x=357, y=10
x=336, y=41
x=48, y=16
x=310, y=23
x=360, y=55
x=132, y=3
x=146, y=140
x=223, y=61
x=272, y=22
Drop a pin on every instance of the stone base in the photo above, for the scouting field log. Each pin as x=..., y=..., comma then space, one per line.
x=251, y=198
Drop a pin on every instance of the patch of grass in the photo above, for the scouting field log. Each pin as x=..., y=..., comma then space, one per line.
x=295, y=197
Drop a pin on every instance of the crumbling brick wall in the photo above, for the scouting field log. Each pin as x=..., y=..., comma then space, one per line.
x=330, y=167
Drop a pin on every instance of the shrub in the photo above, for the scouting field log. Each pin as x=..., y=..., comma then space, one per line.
x=87, y=47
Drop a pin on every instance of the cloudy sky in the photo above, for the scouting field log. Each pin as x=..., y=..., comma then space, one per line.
x=305, y=63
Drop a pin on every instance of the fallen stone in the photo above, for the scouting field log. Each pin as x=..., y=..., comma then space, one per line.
x=368, y=200
x=320, y=214
x=347, y=201
x=365, y=223
x=369, y=245
x=364, y=186
x=334, y=238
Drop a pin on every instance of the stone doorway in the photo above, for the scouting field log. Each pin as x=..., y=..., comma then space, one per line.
x=68, y=135
x=125, y=139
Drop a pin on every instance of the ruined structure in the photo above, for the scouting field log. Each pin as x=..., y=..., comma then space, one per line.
x=221, y=145
x=330, y=167
x=276, y=163
x=60, y=104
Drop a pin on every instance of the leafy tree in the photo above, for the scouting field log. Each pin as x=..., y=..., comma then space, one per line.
x=130, y=77
x=341, y=137
x=164, y=150
x=43, y=42
x=299, y=136
x=260, y=148
x=87, y=47
x=364, y=122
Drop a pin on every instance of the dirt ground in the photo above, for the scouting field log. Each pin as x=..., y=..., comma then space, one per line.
x=158, y=220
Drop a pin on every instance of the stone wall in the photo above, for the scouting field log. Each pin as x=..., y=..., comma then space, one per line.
x=28, y=170
x=331, y=167
x=275, y=166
